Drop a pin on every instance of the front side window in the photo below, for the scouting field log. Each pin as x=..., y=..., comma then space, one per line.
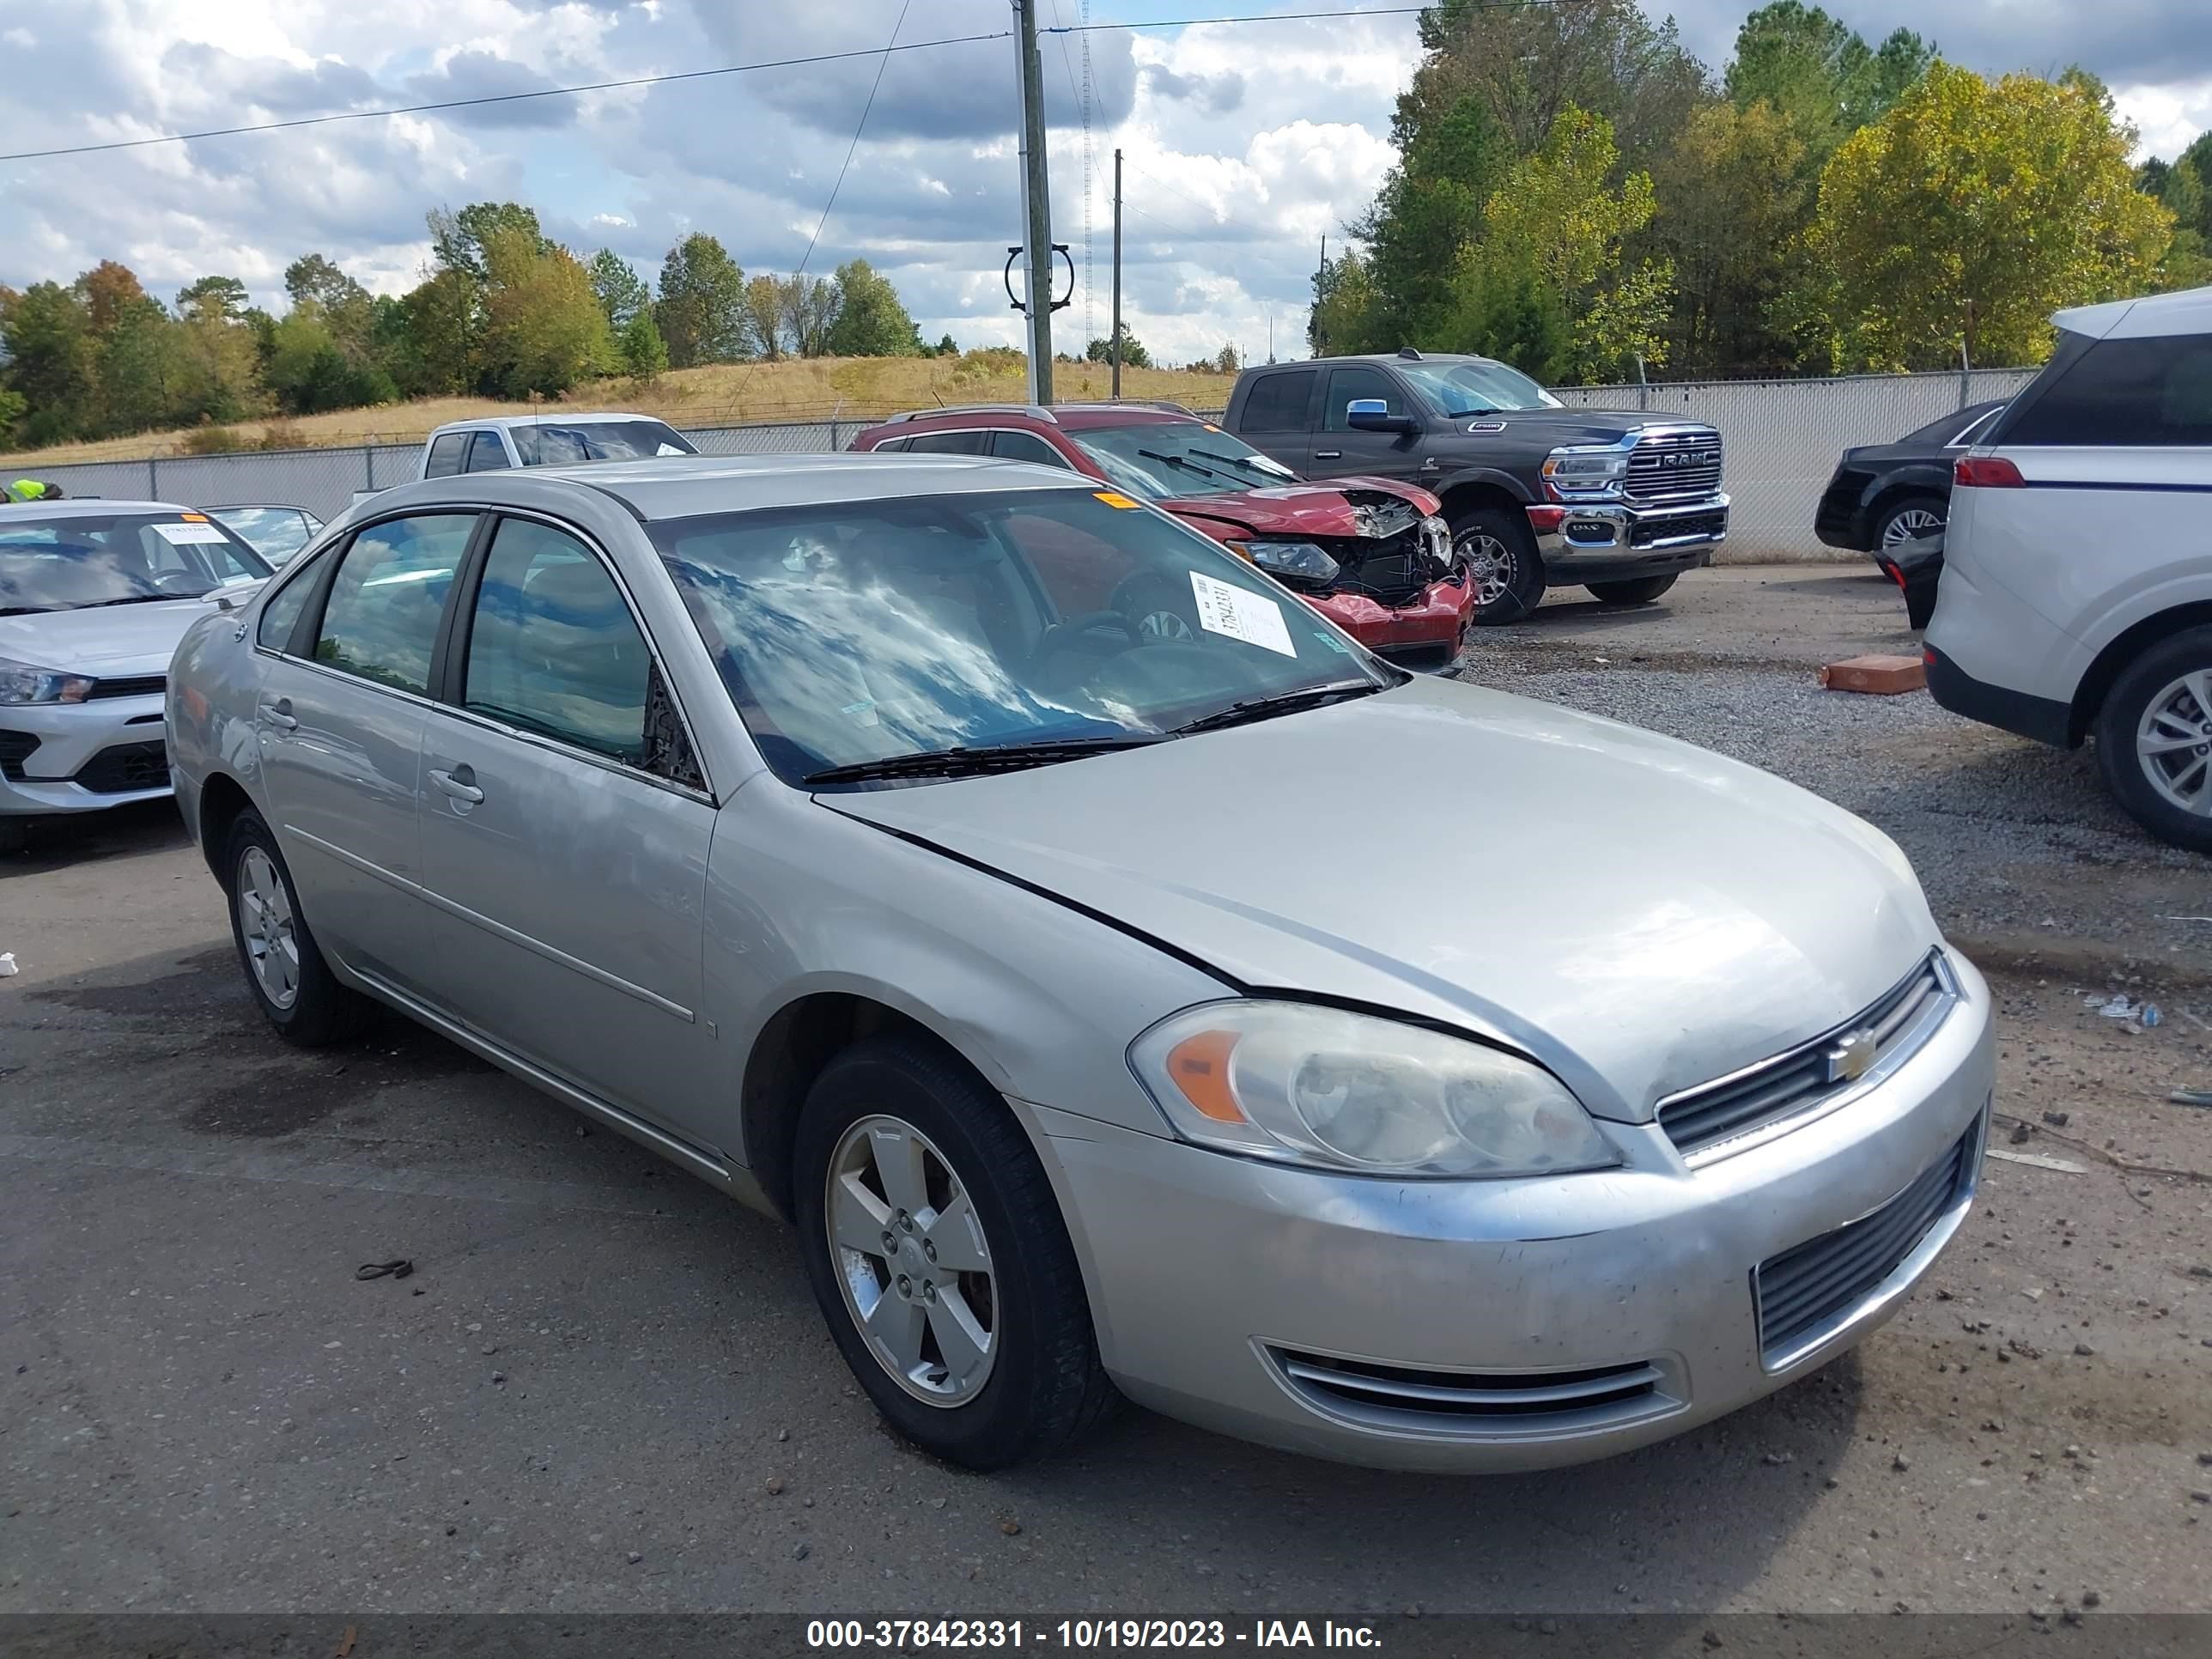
x=572, y=443
x=387, y=595
x=1162, y=459
x=1347, y=385
x=854, y=632
x=553, y=648
x=447, y=453
x=280, y=615
x=1457, y=390
x=2131, y=393
x=81, y=560
x=1277, y=403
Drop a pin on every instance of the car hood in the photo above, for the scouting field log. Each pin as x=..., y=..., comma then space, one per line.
x=1559, y=426
x=1334, y=509
x=1637, y=914
x=109, y=640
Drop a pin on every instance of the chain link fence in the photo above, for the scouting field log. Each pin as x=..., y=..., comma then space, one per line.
x=1782, y=439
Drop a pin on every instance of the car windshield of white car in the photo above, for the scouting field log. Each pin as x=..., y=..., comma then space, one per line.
x=555, y=443
x=1161, y=459
x=75, y=562
x=1046, y=624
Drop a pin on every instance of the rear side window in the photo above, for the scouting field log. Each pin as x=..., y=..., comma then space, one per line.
x=947, y=443
x=446, y=453
x=486, y=452
x=382, y=620
x=1026, y=447
x=2126, y=393
x=1277, y=403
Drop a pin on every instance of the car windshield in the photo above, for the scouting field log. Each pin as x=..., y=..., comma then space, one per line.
x=276, y=532
x=75, y=562
x=855, y=632
x=1161, y=459
x=566, y=443
x=1456, y=389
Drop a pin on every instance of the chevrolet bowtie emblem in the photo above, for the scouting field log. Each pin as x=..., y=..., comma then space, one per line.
x=1849, y=1059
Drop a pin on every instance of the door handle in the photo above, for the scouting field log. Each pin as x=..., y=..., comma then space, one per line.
x=279, y=714
x=1328, y=454
x=460, y=783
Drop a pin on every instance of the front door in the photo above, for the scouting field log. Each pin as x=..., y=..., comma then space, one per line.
x=1340, y=452
x=339, y=726
x=565, y=835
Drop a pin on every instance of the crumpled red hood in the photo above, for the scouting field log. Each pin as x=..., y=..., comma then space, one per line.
x=1292, y=509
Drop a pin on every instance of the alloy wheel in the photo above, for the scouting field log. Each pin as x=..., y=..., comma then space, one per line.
x=1908, y=526
x=264, y=916
x=1491, y=562
x=2173, y=743
x=912, y=1261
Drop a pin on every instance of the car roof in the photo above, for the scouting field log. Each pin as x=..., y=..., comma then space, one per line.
x=2189, y=311
x=1401, y=359
x=1024, y=417
x=85, y=506
x=688, y=486
x=561, y=418
x=257, y=506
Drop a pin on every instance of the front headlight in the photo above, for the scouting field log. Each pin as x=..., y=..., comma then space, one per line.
x=1318, y=1086
x=1299, y=561
x=23, y=682
x=1584, y=471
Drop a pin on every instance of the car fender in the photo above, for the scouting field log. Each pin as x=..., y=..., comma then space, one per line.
x=2147, y=596
x=1913, y=475
x=1442, y=484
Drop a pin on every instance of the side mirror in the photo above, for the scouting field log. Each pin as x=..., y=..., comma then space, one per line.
x=1373, y=415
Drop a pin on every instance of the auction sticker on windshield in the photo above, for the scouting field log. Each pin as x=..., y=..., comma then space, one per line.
x=1224, y=608
x=191, y=533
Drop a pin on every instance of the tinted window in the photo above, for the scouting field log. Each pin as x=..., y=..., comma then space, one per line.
x=561, y=443
x=1026, y=447
x=446, y=453
x=1277, y=403
x=282, y=611
x=553, y=648
x=947, y=443
x=1346, y=384
x=2125, y=393
x=382, y=617
x=486, y=452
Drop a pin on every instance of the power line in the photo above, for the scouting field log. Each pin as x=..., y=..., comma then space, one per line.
x=882, y=64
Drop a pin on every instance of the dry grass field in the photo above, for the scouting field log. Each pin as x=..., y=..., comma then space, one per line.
x=724, y=394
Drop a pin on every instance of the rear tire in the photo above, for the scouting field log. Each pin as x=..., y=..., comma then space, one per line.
x=1910, y=516
x=2155, y=740
x=1639, y=590
x=1036, y=1385
x=1507, y=572
x=291, y=983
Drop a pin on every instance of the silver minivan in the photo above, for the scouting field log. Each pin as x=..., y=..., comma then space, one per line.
x=1109, y=1010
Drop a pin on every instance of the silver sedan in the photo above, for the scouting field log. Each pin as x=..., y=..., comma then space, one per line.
x=1364, y=1064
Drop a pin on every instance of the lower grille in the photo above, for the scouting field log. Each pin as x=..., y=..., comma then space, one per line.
x=1805, y=1288
x=15, y=748
x=134, y=685
x=1899, y=1021
x=1391, y=571
x=124, y=767
x=1442, y=1402
x=1709, y=526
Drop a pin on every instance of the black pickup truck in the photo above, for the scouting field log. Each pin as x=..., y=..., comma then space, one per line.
x=1538, y=495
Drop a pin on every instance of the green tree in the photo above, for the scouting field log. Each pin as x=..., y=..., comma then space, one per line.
x=702, y=314
x=310, y=371
x=1349, y=315
x=761, y=305
x=12, y=411
x=870, y=322
x=644, y=353
x=226, y=294
x=431, y=349
x=1733, y=196
x=543, y=329
x=457, y=239
x=623, y=293
x=52, y=361
x=1225, y=360
x=1968, y=214
x=347, y=313
x=806, y=306
x=1820, y=73
x=1134, y=354
x=1553, y=242
x=947, y=346
x=1429, y=209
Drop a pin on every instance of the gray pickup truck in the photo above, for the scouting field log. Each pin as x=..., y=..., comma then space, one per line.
x=1538, y=494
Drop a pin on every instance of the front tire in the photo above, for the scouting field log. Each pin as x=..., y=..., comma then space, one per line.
x=940, y=1257
x=2155, y=740
x=1501, y=554
x=1640, y=590
x=290, y=981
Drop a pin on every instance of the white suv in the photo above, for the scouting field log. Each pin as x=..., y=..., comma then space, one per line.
x=2076, y=597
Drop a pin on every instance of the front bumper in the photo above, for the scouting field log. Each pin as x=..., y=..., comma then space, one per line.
x=1602, y=542
x=59, y=758
x=1220, y=1285
x=1437, y=620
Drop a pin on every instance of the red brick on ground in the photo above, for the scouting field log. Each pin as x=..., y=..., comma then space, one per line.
x=1883, y=676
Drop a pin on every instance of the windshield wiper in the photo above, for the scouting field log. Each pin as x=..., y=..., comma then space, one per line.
x=141, y=599
x=24, y=610
x=993, y=758
x=1282, y=702
x=1274, y=470
x=1178, y=461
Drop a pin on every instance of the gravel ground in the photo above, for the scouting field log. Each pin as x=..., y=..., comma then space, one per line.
x=606, y=1388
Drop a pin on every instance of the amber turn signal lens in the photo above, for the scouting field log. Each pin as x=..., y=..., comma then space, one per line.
x=1200, y=1066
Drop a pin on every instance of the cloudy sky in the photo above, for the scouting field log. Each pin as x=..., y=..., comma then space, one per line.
x=1244, y=143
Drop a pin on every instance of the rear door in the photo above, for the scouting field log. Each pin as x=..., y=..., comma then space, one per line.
x=1338, y=450
x=565, y=831
x=1277, y=416
x=344, y=695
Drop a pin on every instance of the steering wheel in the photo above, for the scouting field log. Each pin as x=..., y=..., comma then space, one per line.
x=1083, y=630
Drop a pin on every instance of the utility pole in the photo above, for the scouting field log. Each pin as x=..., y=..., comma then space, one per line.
x=1116, y=337
x=1317, y=345
x=1037, y=202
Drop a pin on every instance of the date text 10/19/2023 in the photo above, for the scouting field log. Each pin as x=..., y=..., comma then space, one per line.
x=920, y=1635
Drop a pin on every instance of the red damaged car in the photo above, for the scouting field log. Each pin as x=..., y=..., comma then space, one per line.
x=1372, y=555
